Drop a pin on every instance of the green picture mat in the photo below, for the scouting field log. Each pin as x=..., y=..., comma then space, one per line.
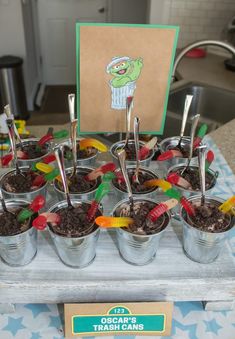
x=78, y=25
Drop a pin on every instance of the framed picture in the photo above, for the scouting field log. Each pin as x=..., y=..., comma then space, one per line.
x=117, y=61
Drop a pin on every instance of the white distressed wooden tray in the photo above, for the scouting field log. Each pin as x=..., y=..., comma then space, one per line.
x=170, y=277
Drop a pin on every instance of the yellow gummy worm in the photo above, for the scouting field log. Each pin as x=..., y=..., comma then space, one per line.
x=165, y=185
x=84, y=143
x=103, y=221
x=228, y=205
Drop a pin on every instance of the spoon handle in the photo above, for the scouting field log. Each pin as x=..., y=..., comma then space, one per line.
x=192, y=134
x=4, y=207
x=187, y=105
x=10, y=125
x=73, y=130
x=136, y=137
x=71, y=103
x=74, y=144
x=128, y=119
x=202, y=171
x=59, y=154
x=122, y=158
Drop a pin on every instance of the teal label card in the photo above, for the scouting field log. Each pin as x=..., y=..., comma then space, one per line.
x=118, y=319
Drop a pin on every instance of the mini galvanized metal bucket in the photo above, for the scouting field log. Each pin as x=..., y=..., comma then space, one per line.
x=20, y=249
x=170, y=143
x=82, y=196
x=134, y=248
x=200, y=246
x=90, y=161
x=25, y=196
x=77, y=252
x=120, y=144
x=30, y=162
x=150, y=194
x=187, y=192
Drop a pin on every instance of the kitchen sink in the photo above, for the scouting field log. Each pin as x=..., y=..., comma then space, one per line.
x=215, y=105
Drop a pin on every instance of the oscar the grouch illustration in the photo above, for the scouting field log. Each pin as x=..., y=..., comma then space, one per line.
x=125, y=72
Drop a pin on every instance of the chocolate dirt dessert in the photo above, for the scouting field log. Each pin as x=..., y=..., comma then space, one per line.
x=9, y=225
x=191, y=174
x=142, y=225
x=130, y=152
x=34, y=151
x=78, y=183
x=208, y=218
x=81, y=154
x=136, y=187
x=74, y=222
x=19, y=182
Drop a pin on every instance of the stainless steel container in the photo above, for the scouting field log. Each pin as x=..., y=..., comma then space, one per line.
x=76, y=252
x=151, y=194
x=200, y=246
x=30, y=162
x=118, y=145
x=81, y=196
x=20, y=249
x=167, y=144
x=81, y=162
x=138, y=249
x=26, y=196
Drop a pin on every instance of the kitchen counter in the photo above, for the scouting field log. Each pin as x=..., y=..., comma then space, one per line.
x=224, y=138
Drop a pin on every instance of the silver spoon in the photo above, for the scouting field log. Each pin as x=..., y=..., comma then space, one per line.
x=4, y=207
x=73, y=131
x=122, y=158
x=195, y=120
x=7, y=111
x=136, y=137
x=187, y=105
x=10, y=125
x=129, y=102
x=59, y=154
x=202, y=171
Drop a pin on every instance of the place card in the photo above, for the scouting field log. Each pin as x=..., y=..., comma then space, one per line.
x=116, y=61
x=142, y=318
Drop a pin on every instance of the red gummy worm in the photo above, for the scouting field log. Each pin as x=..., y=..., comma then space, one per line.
x=165, y=156
x=187, y=206
x=38, y=181
x=45, y=139
x=210, y=156
x=157, y=212
x=37, y=203
x=196, y=142
x=173, y=178
x=92, y=211
x=49, y=158
x=109, y=167
x=40, y=223
x=143, y=153
x=6, y=159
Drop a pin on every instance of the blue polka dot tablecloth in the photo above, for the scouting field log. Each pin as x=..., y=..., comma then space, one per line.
x=190, y=321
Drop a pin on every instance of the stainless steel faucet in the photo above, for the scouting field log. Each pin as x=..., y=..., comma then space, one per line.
x=195, y=44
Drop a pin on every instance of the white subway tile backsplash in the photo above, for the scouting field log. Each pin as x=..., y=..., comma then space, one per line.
x=207, y=5
x=201, y=19
x=193, y=4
